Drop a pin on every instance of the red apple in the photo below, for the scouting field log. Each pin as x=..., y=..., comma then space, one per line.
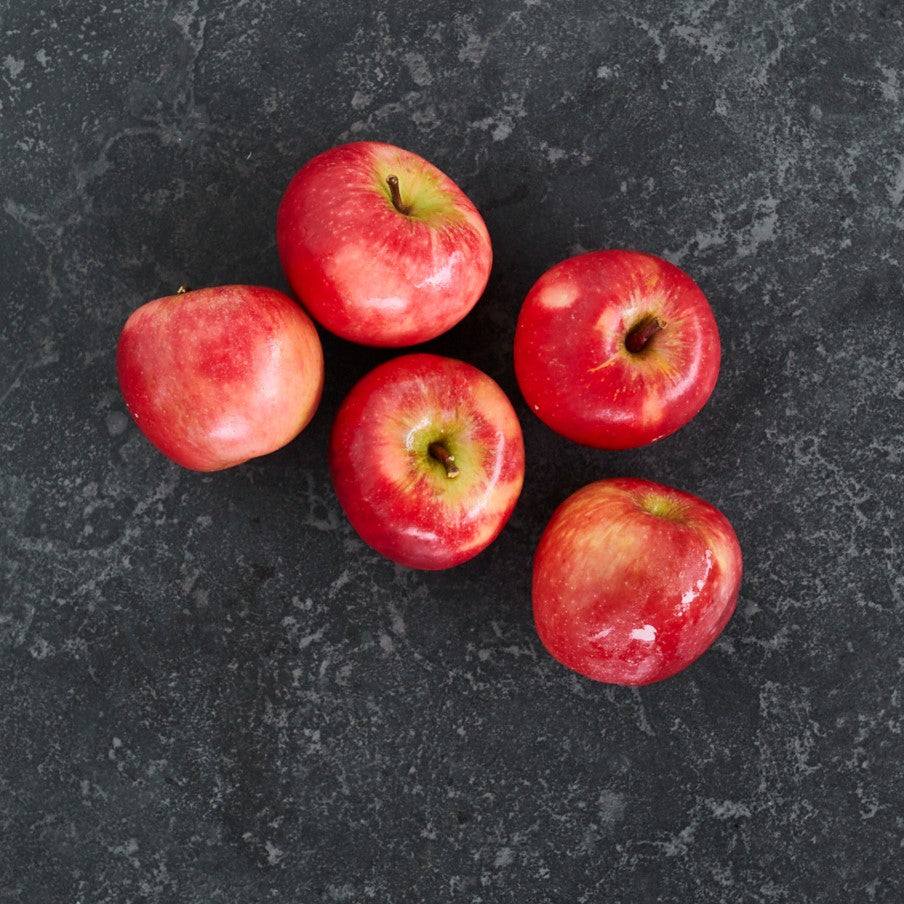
x=427, y=460
x=217, y=376
x=616, y=349
x=634, y=580
x=381, y=247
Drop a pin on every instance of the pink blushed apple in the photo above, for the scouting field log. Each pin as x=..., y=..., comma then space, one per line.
x=633, y=580
x=427, y=460
x=616, y=349
x=216, y=376
x=381, y=247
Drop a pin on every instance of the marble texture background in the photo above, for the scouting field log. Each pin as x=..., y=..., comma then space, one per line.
x=211, y=691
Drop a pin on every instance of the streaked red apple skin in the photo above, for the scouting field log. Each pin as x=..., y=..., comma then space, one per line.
x=364, y=270
x=634, y=580
x=216, y=376
x=399, y=498
x=574, y=369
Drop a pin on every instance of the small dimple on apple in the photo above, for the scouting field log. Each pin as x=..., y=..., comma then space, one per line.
x=558, y=297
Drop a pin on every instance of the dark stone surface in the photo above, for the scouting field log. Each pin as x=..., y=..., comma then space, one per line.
x=211, y=691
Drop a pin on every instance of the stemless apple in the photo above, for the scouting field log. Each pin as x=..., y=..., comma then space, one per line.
x=220, y=375
x=634, y=580
x=427, y=459
x=381, y=247
x=616, y=349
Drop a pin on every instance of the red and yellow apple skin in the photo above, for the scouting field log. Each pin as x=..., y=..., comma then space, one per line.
x=216, y=376
x=633, y=580
x=390, y=453
x=369, y=271
x=573, y=349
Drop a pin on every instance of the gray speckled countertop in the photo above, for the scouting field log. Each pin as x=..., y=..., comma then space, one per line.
x=212, y=691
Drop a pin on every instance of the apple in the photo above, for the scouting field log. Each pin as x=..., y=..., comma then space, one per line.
x=427, y=460
x=632, y=580
x=616, y=349
x=216, y=376
x=380, y=246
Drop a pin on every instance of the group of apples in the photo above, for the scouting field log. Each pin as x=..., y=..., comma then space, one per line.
x=632, y=580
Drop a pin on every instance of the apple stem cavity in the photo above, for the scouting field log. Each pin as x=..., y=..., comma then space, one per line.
x=439, y=452
x=183, y=289
x=640, y=335
x=396, y=195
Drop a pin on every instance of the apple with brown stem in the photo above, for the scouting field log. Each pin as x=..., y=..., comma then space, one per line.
x=427, y=460
x=616, y=349
x=381, y=247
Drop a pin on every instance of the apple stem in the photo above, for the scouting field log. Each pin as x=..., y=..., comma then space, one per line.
x=641, y=334
x=441, y=454
x=393, y=183
x=183, y=289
